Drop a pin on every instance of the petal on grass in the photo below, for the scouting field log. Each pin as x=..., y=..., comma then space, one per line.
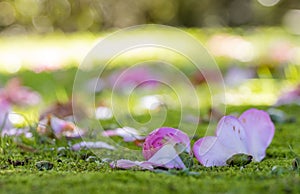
x=167, y=157
x=210, y=152
x=127, y=133
x=64, y=128
x=162, y=136
x=92, y=145
x=259, y=131
x=128, y=164
x=231, y=134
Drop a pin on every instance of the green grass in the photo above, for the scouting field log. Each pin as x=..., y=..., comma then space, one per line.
x=73, y=173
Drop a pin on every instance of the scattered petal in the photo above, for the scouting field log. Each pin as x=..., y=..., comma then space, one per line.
x=162, y=136
x=17, y=94
x=290, y=97
x=60, y=128
x=129, y=134
x=259, y=130
x=167, y=157
x=92, y=145
x=249, y=134
x=128, y=164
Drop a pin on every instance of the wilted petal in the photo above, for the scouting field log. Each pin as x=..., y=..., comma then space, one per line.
x=92, y=145
x=259, y=131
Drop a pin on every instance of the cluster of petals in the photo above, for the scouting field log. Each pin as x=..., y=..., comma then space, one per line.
x=249, y=134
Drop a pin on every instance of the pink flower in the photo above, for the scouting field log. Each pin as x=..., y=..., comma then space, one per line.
x=160, y=149
x=249, y=134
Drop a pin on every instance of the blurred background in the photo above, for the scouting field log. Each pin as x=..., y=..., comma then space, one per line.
x=46, y=16
x=256, y=43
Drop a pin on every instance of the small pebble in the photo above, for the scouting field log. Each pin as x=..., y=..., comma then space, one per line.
x=44, y=165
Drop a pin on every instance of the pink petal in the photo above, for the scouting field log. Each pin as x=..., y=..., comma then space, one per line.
x=129, y=134
x=259, y=131
x=230, y=139
x=128, y=164
x=92, y=145
x=210, y=152
x=64, y=128
x=231, y=134
x=167, y=157
x=162, y=136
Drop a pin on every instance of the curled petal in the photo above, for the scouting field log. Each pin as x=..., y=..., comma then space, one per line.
x=167, y=157
x=259, y=131
x=162, y=136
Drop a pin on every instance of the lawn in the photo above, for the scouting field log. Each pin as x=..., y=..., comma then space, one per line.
x=44, y=164
x=77, y=172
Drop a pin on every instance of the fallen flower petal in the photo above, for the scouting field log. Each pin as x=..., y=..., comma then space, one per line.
x=290, y=97
x=167, y=157
x=17, y=132
x=162, y=136
x=249, y=134
x=259, y=132
x=129, y=134
x=128, y=164
x=59, y=127
x=161, y=148
x=17, y=94
x=92, y=145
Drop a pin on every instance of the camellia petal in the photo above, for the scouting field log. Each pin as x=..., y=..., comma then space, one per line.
x=210, y=152
x=167, y=157
x=92, y=145
x=129, y=134
x=259, y=131
x=162, y=136
x=128, y=164
x=249, y=134
x=231, y=134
